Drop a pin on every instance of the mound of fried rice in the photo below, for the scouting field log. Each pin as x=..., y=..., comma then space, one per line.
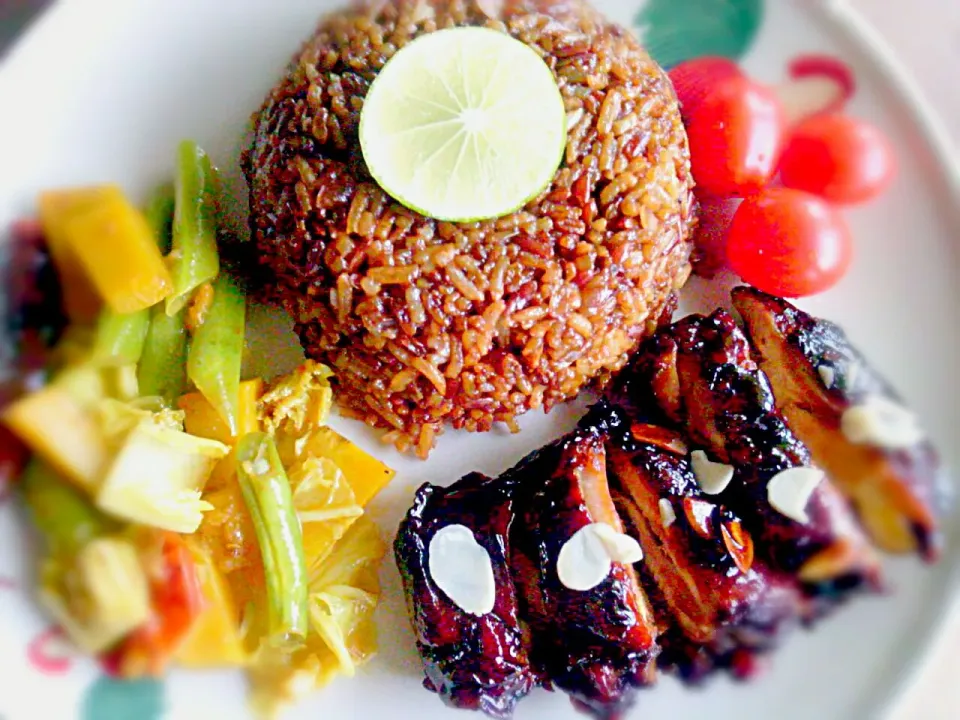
x=428, y=323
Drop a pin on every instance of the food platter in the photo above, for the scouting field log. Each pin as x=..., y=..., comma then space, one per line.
x=108, y=103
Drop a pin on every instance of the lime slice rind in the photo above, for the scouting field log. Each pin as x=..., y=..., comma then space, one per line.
x=447, y=133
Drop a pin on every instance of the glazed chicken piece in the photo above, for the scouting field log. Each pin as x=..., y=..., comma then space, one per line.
x=723, y=606
x=699, y=376
x=596, y=643
x=853, y=422
x=473, y=661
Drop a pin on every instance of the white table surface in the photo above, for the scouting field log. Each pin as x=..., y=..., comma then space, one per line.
x=926, y=36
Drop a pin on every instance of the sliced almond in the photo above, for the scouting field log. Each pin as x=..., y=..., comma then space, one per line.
x=880, y=422
x=620, y=547
x=739, y=544
x=712, y=477
x=828, y=375
x=700, y=516
x=668, y=516
x=789, y=491
x=462, y=569
x=586, y=559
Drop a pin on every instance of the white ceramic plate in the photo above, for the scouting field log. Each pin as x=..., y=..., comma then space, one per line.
x=103, y=90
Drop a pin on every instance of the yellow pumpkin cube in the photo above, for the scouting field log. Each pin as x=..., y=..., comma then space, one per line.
x=58, y=425
x=203, y=420
x=366, y=475
x=214, y=641
x=115, y=245
x=80, y=298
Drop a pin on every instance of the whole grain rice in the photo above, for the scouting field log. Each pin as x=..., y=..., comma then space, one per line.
x=430, y=323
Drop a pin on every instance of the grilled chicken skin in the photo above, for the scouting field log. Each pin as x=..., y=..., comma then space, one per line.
x=698, y=374
x=707, y=450
x=598, y=645
x=852, y=421
x=477, y=663
x=722, y=605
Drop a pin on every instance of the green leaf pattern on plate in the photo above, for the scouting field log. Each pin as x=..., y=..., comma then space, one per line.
x=677, y=30
x=111, y=699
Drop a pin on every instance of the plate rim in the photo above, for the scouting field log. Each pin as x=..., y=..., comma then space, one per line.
x=841, y=16
x=897, y=679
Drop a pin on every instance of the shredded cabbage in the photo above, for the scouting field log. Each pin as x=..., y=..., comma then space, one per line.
x=298, y=401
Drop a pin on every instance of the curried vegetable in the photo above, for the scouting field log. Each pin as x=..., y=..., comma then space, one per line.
x=157, y=476
x=120, y=337
x=266, y=492
x=66, y=518
x=214, y=640
x=298, y=401
x=159, y=213
x=325, y=505
x=343, y=593
x=177, y=602
x=216, y=353
x=115, y=246
x=175, y=531
x=203, y=420
x=101, y=596
x=58, y=423
x=194, y=258
x=80, y=299
x=366, y=475
x=295, y=410
x=162, y=370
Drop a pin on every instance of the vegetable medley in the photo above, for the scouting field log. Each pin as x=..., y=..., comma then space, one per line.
x=190, y=516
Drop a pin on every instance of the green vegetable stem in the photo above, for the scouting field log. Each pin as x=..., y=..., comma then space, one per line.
x=159, y=212
x=162, y=370
x=119, y=337
x=216, y=353
x=65, y=517
x=194, y=259
x=266, y=492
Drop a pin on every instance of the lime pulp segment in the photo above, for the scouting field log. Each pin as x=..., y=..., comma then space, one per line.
x=464, y=124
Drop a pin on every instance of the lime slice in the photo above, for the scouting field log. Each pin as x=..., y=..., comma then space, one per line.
x=464, y=124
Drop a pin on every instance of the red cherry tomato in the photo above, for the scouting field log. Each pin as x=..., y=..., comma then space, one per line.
x=693, y=80
x=177, y=599
x=839, y=158
x=735, y=138
x=789, y=243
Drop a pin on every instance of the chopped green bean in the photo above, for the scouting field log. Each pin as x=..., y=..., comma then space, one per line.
x=216, y=353
x=119, y=337
x=266, y=492
x=159, y=212
x=162, y=370
x=194, y=258
x=65, y=517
